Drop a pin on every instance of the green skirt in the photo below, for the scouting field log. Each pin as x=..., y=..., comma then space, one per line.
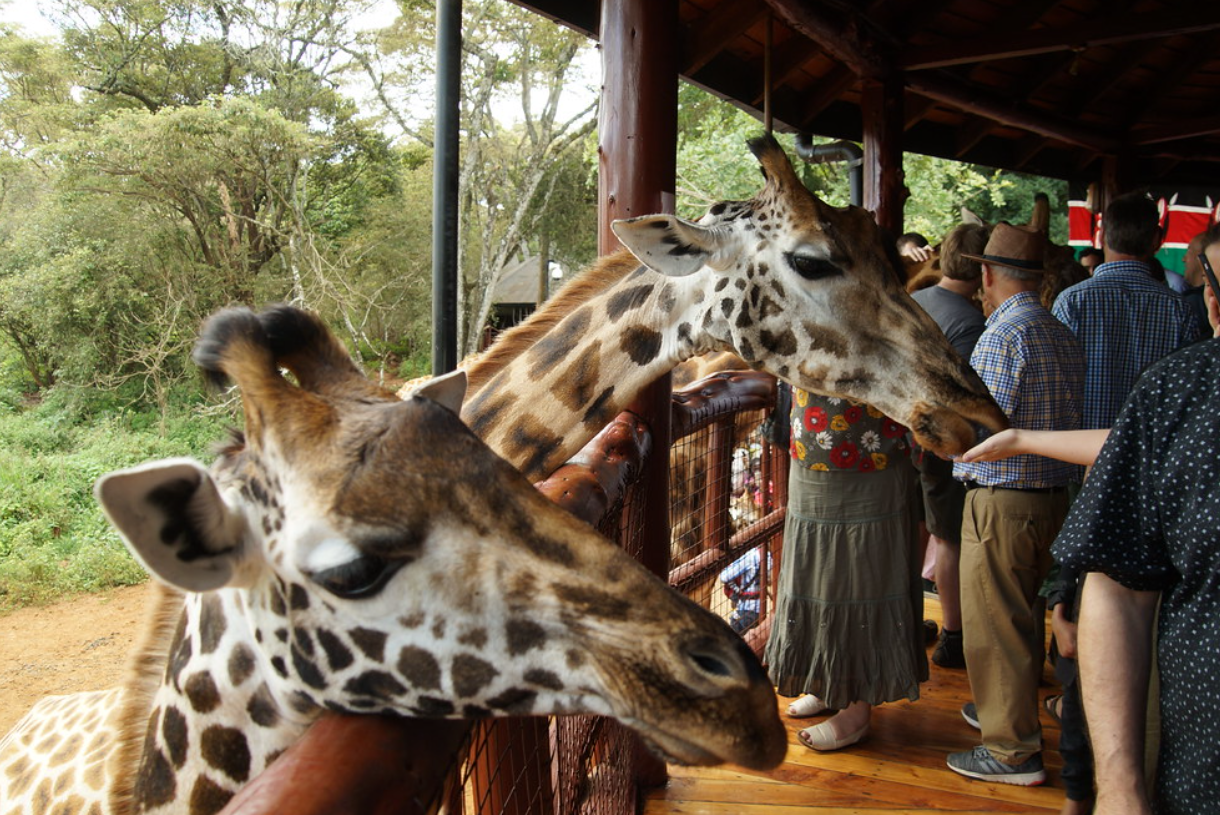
x=849, y=606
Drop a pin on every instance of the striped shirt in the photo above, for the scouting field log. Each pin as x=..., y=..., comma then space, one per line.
x=1126, y=321
x=1034, y=368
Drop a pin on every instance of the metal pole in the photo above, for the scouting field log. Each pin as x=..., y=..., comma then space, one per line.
x=445, y=186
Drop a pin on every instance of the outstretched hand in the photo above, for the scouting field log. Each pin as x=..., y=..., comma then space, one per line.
x=1005, y=444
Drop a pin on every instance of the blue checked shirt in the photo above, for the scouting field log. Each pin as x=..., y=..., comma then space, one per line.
x=1034, y=368
x=1126, y=321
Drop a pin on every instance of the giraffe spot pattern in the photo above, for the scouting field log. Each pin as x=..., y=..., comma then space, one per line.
x=208, y=797
x=307, y=670
x=471, y=674
x=262, y=708
x=782, y=343
x=514, y=701
x=212, y=623
x=431, y=706
x=174, y=731
x=420, y=668
x=627, y=300
x=201, y=690
x=475, y=638
x=377, y=684
x=370, y=642
x=641, y=344
x=338, y=655
x=241, y=664
x=552, y=349
x=599, y=410
x=225, y=749
x=544, y=678
x=523, y=635
x=574, y=386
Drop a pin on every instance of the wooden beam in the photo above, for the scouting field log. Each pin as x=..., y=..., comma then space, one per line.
x=849, y=38
x=971, y=133
x=1026, y=148
x=1007, y=111
x=1188, y=129
x=1107, y=31
x=828, y=89
x=914, y=109
x=716, y=29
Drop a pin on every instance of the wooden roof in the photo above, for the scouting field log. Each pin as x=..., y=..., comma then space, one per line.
x=1051, y=87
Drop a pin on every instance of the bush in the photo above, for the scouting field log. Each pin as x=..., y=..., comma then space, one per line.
x=54, y=540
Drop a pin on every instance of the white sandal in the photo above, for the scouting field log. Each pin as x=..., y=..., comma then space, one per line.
x=808, y=705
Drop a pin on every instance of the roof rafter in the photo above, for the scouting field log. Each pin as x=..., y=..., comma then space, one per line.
x=1115, y=29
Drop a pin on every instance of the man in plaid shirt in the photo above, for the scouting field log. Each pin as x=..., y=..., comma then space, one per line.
x=1124, y=317
x=1034, y=367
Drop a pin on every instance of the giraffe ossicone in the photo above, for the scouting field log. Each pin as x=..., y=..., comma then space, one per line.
x=358, y=553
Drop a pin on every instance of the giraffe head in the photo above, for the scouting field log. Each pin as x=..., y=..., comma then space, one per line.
x=384, y=560
x=813, y=294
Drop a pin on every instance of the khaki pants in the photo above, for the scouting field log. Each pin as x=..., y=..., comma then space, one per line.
x=1006, y=554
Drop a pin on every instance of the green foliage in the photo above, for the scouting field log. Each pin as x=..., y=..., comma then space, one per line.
x=54, y=540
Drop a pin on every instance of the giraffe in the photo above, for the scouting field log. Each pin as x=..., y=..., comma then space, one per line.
x=354, y=552
x=796, y=288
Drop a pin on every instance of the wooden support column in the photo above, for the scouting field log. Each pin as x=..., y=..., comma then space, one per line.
x=885, y=190
x=637, y=165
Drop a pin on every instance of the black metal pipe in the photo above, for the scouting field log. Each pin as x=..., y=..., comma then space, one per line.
x=445, y=156
x=836, y=151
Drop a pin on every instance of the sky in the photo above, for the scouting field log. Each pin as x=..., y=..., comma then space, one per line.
x=26, y=14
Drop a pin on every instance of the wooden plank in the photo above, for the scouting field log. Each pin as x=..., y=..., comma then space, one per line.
x=900, y=768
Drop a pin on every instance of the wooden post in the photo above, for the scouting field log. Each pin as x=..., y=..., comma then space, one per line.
x=885, y=189
x=637, y=165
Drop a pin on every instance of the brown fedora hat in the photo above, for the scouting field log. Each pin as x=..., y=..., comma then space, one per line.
x=1014, y=247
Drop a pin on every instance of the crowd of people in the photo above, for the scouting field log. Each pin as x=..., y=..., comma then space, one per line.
x=1112, y=374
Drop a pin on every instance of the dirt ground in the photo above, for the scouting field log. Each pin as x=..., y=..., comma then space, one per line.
x=76, y=645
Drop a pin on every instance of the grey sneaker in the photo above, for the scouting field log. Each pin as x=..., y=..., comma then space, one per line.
x=971, y=714
x=979, y=763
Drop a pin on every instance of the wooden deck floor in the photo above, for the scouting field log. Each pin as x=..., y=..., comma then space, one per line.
x=899, y=768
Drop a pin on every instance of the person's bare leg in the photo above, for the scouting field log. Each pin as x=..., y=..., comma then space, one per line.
x=948, y=582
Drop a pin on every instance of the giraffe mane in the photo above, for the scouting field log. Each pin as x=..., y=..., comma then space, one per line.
x=145, y=669
x=594, y=280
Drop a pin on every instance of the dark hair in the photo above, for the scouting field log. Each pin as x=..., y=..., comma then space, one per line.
x=1089, y=251
x=1212, y=235
x=967, y=238
x=1131, y=225
x=911, y=239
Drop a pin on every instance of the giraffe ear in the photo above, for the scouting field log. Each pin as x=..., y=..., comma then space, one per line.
x=448, y=390
x=173, y=519
x=673, y=246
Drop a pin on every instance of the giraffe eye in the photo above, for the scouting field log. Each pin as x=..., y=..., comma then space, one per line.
x=359, y=578
x=811, y=268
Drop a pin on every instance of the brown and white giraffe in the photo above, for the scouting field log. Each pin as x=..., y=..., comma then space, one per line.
x=358, y=553
x=802, y=290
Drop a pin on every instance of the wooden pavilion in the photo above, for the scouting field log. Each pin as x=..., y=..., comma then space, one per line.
x=1116, y=93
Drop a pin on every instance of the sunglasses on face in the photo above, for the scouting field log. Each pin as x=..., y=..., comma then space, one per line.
x=1211, y=275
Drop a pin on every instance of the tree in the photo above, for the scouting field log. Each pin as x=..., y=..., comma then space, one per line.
x=508, y=171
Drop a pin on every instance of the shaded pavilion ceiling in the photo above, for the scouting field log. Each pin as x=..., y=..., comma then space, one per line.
x=1065, y=88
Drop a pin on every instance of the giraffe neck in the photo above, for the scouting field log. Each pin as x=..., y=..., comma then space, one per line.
x=216, y=720
x=540, y=403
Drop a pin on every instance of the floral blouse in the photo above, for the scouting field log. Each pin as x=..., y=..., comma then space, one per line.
x=838, y=435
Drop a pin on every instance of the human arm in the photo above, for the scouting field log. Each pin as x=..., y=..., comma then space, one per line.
x=1115, y=655
x=1072, y=446
x=1065, y=630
